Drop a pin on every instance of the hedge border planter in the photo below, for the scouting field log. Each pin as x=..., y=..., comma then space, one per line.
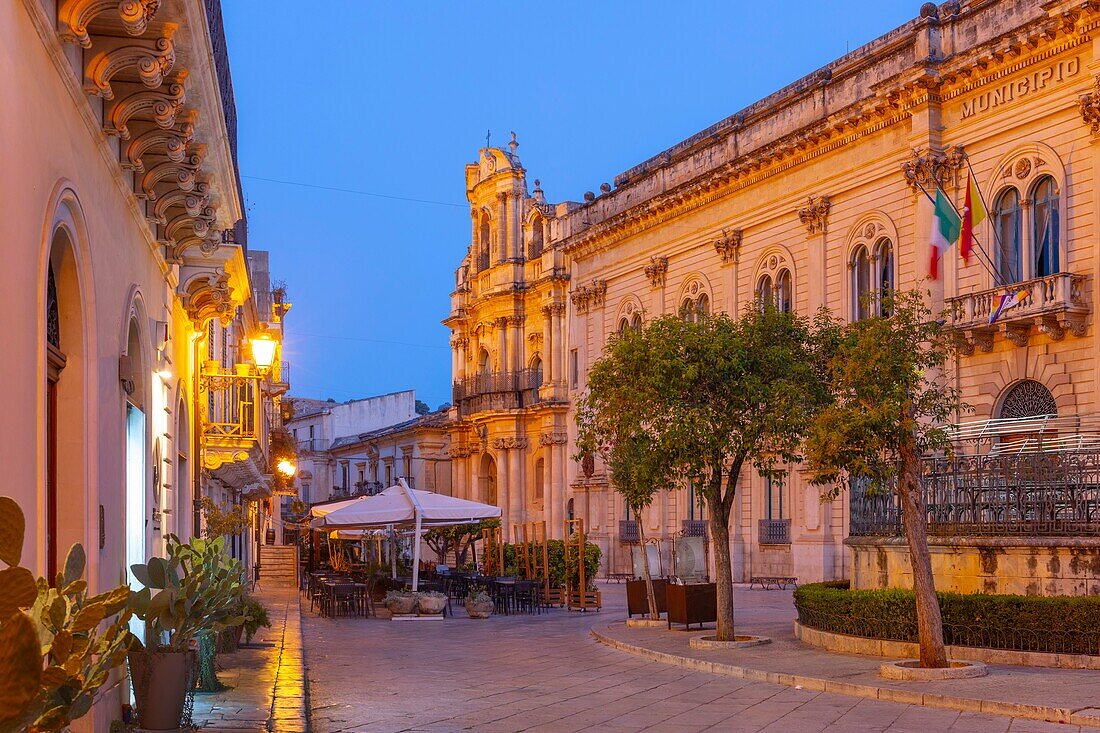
x=739, y=642
x=910, y=669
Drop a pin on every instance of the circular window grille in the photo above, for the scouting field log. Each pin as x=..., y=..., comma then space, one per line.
x=1028, y=399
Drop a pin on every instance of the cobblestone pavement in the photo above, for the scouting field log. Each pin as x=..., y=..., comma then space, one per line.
x=546, y=673
x=265, y=687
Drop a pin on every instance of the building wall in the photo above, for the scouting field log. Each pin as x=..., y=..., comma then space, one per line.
x=797, y=182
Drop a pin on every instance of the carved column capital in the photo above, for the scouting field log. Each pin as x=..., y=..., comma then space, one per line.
x=1089, y=104
x=589, y=296
x=931, y=169
x=657, y=271
x=510, y=443
x=728, y=246
x=815, y=215
x=553, y=438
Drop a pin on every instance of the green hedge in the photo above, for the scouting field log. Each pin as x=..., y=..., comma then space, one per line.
x=555, y=550
x=1059, y=624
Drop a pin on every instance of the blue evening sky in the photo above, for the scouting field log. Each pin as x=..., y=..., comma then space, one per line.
x=394, y=98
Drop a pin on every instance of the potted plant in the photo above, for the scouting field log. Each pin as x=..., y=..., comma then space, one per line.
x=59, y=645
x=197, y=589
x=255, y=616
x=479, y=604
x=431, y=603
x=400, y=602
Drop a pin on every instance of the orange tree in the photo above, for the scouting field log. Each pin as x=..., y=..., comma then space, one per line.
x=710, y=396
x=890, y=401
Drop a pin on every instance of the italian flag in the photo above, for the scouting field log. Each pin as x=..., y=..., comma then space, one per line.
x=946, y=227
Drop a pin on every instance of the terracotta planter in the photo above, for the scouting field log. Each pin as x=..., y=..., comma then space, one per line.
x=430, y=606
x=402, y=604
x=160, y=683
x=479, y=610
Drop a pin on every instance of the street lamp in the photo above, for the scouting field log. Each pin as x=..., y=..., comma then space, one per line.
x=286, y=467
x=263, y=352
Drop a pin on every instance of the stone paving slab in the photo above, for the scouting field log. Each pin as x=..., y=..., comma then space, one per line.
x=546, y=673
x=1061, y=695
x=265, y=681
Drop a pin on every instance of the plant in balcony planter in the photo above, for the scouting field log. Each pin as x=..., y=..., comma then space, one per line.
x=431, y=603
x=198, y=588
x=56, y=651
x=479, y=604
x=400, y=601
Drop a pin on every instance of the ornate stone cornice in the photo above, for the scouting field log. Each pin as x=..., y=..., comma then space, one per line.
x=1089, y=105
x=815, y=215
x=510, y=443
x=932, y=169
x=589, y=296
x=657, y=271
x=181, y=175
x=151, y=60
x=728, y=246
x=74, y=16
x=162, y=105
x=553, y=438
x=193, y=201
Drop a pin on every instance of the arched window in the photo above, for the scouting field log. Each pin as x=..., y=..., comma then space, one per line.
x=484, y=365
x=687, y=310
x=702, y=305
x=483, y=242
x=765, y=290
x=1006, y=221
x=534, y=247
x=884, y=273
x=536, y=370
x=784, y=292
x=636, y=322
x=623, y=325
x=861, y=284
x=1044, y=237
x=1028, y=398
x=540, y=469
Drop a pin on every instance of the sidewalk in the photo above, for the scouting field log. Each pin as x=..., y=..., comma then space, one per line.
x=266, y=689
x=1061, y=695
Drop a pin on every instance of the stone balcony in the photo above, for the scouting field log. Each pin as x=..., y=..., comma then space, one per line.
x=1056, y=304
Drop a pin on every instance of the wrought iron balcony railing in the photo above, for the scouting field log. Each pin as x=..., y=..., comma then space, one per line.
x=775, y=532
x=1055, y=304
x=628, y=531
x=1038, y=494
x=497, y=391
x=231, y=411
x=693, y=528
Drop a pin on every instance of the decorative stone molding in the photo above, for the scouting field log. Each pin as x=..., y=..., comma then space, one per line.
x=510, y=443
x=931, y=169
x=152, y=60
x=162, y=105
x=728, y=246
x=535, y=337
x=553, y=438
x=206, y=246
x=515, y=321
x=1017, y=333
x=657, y=271
x=170, y=143
x=75, y=16
x=460, y=342
x=1089, y=104
x=590, y=296
x=464, y=450
x=815, y=215
x=553, y=309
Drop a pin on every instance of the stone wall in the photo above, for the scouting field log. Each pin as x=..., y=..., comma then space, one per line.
x=1020, y=566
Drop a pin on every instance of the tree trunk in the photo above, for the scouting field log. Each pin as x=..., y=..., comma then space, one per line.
x=913, y=515
x=651, y=597
x=723, y=568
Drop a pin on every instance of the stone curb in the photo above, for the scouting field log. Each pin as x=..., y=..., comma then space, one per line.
x=818, y=684
x=307, y=709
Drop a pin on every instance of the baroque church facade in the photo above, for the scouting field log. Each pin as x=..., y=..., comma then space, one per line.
x=811, y=197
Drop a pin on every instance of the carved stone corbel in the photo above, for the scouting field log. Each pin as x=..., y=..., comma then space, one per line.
x=657, y=271
x=170, y=143
x=161, y=105
x=152, y=60
x=181, y=175
x=728, y=246
x=75, y=16
x=193, y=201
x=208, y=296
x=1018, y=332
x=964, y=345
x=1051, y=327
x=981, y=338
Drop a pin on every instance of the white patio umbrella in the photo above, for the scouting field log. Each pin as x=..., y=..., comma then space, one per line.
x=401, y=505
